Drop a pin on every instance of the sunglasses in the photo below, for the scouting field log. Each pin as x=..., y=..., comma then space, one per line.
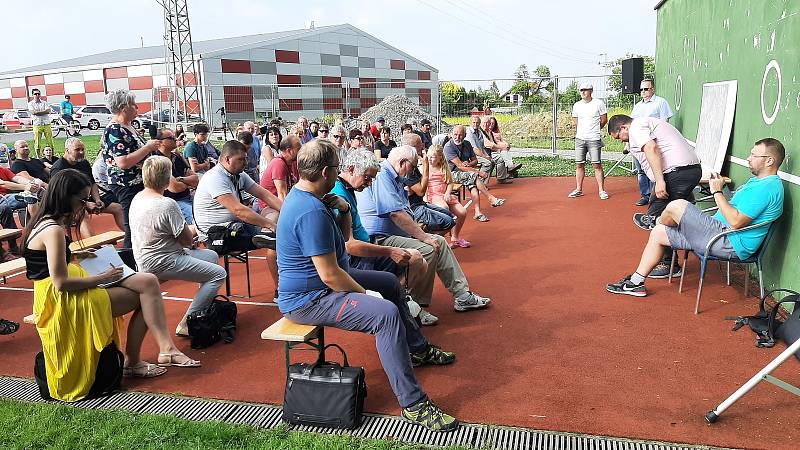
x=337, y=136
x=323, y=131
x=168, y=138
x=645, y=89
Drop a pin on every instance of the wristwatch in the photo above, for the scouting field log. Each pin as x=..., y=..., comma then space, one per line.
x=180, y=179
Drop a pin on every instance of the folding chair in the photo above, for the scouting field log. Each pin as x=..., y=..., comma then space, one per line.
x=756, y=258
x=790, y=331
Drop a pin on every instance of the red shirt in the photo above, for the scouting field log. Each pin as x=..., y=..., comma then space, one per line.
x=279, y=169
x=376, y=133
x=6, y=175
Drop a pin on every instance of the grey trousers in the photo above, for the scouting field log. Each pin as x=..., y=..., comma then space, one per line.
x=201, y=266
x=396, y=333
x=496, y=161
x=441, y=262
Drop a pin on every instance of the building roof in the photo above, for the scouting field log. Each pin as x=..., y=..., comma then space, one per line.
x=200, y=48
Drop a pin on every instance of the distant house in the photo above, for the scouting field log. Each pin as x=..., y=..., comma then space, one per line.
x=514, y=99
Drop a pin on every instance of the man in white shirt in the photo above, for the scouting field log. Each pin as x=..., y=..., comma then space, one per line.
x=589, y=116
x=40, y=114
x=651, y=105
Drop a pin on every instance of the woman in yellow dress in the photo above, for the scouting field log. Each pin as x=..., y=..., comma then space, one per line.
x=75, y=318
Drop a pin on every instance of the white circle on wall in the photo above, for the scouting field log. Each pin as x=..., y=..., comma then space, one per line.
x=772, y=65
x=678, y=93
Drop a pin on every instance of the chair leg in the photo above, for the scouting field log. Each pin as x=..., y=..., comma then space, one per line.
x=672, y=264
x=683, y=270
x=703, y=263
x=760, y=279
x=247, y=269
x=728, y=274
x=227, y=276
x=746, y=279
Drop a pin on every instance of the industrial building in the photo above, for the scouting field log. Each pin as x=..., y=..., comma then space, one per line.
x=332, y=70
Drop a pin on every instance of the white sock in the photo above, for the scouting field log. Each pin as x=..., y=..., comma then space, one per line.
x=636, y=278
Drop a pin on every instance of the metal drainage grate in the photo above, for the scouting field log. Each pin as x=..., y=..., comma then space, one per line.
x=374, y=426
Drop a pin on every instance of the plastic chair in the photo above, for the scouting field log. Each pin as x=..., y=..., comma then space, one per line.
x=756, y=258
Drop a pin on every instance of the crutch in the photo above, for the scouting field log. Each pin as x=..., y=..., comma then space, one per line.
x=764, y=374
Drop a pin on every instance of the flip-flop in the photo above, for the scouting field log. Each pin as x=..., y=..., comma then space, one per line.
x=182, y=332
x=499, y=202
x=171, y=362
x=143, y=370
x=463, y=243
x=481, y=218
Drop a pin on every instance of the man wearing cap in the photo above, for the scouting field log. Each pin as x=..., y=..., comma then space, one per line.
x=375, y=129
x=651, y=105
x=40, y=113
x=589, y=116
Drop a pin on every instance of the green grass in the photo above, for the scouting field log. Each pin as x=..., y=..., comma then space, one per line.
x=29, y=426
x=549, y=166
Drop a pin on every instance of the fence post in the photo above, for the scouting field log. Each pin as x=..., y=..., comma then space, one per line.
x=554, y=142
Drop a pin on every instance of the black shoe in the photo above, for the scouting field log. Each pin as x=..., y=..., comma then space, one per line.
x=661, y=270
x=626, y=286
x=643, y=201
x=430, y=416
x=644, y=221
x=432, y=356
x=264, y=240
x=505, y=181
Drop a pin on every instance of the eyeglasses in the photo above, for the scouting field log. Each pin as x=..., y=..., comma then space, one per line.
x=584, y=90
x=646, y=89
x=337, y=136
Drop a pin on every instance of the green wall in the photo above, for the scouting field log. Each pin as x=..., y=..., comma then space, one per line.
x=701, y=41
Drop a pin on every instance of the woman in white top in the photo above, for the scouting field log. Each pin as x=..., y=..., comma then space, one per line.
x=165, y=246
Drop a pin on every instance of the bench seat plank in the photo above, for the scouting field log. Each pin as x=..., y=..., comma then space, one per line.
x=109, y=237
x=12, y=267
x=9, y=233
x=286, y=330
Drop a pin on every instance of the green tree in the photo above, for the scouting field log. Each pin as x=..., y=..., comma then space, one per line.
x=570, y=96
x=452, y=97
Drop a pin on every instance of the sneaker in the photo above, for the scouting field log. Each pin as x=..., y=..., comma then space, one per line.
x=27, y=197
x=515, y=168
x=626, y=286
x=661, y=270
x=603, y=195
x=505, y=181
x=433, y=356
x=470, y=300
x=426, y=318
x=644, y=221
x=643, y=201
x=430, y=416
x=264, y=240
x=574, y=194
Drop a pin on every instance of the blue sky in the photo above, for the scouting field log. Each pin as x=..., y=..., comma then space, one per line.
x=464, y=39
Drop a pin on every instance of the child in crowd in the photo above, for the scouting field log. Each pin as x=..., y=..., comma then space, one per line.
x=439, y=193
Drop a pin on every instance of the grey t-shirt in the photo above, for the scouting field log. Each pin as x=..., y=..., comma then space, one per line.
x=155, y=226
x=207, y=210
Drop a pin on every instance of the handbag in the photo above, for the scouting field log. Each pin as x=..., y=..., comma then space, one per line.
x=768, y=325
x=325, y=394
x=216, y=322
x=107, y=378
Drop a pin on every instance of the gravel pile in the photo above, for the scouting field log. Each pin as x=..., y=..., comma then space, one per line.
x=397, y=110
x=538, y=125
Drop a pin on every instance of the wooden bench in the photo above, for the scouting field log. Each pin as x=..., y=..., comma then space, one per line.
x=11, y=267
x=9, y=233
x=109, y=237
x=296, y=337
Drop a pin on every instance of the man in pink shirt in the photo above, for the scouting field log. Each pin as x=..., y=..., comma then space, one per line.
x=667, y=160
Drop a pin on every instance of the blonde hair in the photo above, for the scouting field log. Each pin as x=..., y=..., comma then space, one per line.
x=444, y=167
x=156, y=172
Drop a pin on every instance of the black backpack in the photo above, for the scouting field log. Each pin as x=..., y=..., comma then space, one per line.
x=217, y=322
x=107, y=378
x=769, y=325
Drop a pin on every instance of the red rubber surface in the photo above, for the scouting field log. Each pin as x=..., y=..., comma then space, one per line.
x=554, y=351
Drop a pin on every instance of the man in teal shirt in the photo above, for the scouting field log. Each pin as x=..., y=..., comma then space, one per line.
x=684, y=226
x=66, y=109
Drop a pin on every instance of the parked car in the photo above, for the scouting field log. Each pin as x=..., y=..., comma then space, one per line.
x=19, y=118
x=55, y=113
x=143, y=121
x=93, y=116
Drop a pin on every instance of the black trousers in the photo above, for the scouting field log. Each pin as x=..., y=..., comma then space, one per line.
x=125, y=196
x=680, y=184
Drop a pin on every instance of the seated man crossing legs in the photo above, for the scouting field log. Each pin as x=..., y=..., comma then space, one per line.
x=684, y=226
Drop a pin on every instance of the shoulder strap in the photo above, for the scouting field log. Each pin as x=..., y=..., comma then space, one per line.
x=40, y=229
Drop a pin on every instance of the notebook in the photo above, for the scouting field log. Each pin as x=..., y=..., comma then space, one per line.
x=105, y=258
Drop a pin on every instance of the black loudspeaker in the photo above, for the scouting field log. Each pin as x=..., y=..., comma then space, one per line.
x=632, y=75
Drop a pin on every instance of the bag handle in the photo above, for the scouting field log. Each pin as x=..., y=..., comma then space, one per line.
x=794, y=298
x=321, y=360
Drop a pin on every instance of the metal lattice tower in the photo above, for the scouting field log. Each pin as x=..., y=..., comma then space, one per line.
x=182, y=76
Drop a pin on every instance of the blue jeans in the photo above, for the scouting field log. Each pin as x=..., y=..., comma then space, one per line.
x=388, y=319
x=7, y=207
x=644, y=182
x=186, y=208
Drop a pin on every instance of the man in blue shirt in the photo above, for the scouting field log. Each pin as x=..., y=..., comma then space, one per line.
x=318, y=286
x=66, y=109
x=651, y=105
x=360, y=169
x=387, y=217
x=684, y=226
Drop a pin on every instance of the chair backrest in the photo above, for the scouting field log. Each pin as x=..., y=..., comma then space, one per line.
x=759, y=255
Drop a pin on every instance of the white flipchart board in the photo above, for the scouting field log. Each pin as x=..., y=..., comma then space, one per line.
x=716, y=121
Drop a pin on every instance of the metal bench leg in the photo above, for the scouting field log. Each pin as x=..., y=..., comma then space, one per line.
x=247, y=269
x=227, y=275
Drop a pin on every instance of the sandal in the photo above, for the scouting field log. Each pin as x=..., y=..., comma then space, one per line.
x=498, y=202
x=143, y=370
x=8, y=327
x=182, y=331
x=463, y=243
x=169, y=359
x=481, y=218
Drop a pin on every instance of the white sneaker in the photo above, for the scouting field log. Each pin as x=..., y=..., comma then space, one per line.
x=427, y=318
x=470, y=300
x=603, y=195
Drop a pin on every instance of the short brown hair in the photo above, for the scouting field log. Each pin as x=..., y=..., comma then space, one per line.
x=774, y=147
x=315, y=156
